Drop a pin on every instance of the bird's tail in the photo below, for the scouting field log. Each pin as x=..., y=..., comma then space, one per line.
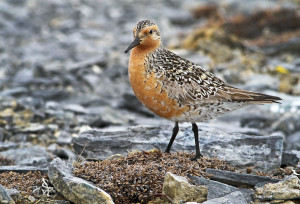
x=239, y=95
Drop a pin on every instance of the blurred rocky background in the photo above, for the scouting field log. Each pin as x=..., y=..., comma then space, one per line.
x=64, y=88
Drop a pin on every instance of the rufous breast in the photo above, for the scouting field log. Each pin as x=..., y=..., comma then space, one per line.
x=148, y=88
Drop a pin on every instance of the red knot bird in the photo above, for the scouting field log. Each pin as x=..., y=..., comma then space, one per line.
x=177, y=89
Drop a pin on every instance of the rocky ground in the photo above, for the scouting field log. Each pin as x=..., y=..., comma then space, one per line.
x=65, y=101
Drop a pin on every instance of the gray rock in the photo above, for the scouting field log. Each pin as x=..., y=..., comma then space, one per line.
x=290, y=45
x=100, y=60
x=248, y=194
x=218, y=189
x=256, y=121
x=62, y=152
x=22, y=169
x=238, y=179
x=108, y=116
x=296, y=89
x=15, y=194
x=12, y=192
x=76, y=108
x=64, y=138
x=7, y=145
x=215, y=189
x=130, y=102
x=13, y=91
x=179, y=190
x=5, y=197
x=296, y=152
x=240, y=150
x=34, y=161
x=57, y=202
x=32, y=128
x=289, y=159
x=293, y=141
x=49, y=94
x=287, y=189
x=259, y=82
x=75, y=189
x=113, y=117
x=287, y=123
x=232, y=198
x=24, y=75
x=35, y=156
x=180, y=17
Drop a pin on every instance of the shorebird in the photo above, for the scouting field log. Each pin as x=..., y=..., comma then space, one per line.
x=177, y=89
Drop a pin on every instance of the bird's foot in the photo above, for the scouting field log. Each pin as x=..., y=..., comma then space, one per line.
x=198, y=156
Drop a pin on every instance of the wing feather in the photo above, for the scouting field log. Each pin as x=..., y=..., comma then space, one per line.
x=190, y=84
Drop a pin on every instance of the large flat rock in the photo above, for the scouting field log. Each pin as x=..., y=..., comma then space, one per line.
x=240, y=150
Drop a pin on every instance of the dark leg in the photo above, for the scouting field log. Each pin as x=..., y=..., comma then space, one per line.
x=175, y=131
x=195, y=130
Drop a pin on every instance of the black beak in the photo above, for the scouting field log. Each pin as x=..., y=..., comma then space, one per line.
x=136, y=42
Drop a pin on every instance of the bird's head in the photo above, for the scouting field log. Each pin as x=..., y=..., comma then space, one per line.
x=146, y=36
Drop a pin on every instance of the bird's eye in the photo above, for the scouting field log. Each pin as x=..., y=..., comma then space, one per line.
x=151, y=31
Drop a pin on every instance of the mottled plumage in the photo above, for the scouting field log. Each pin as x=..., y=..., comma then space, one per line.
x=143, y=24
x=177, y=89
x=193, y=86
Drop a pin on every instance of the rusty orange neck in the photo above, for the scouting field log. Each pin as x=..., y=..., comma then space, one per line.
x=147, y=87
x=147, y=45
x=136, y=67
